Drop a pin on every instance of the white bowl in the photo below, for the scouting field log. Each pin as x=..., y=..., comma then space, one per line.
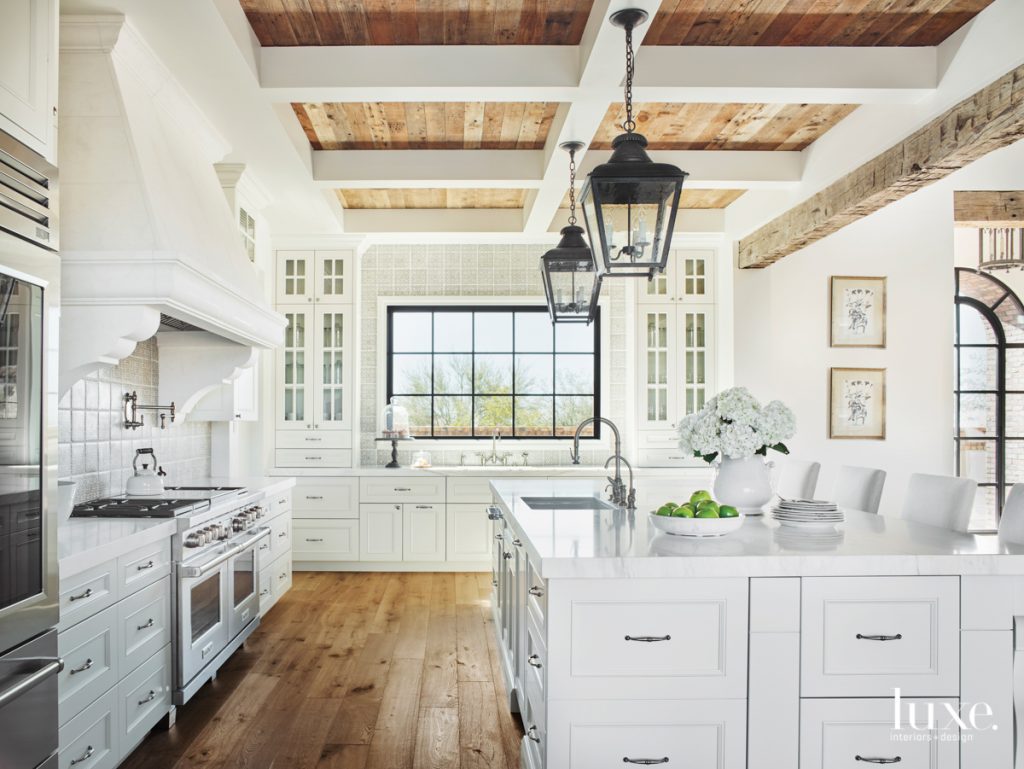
x=695, y=527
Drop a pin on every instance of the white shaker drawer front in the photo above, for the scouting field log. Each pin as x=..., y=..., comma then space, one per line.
x=277, y=504
x=536, y=594
x=470, y=489
x=266, y=593
x=145, y=621
x=602, y=734
x=327, y=498
x=144, y=697
x=536, y=657
x=87, y=593
x=319, y=540
x=647, y=639
x=423, y=489
x=301, y=439
x=88, y=650
x=90, y=740
x=144, y=566
x=860, y=733
x=313, y=457
x=281, y=577
x=866, y=636
x=280, y=536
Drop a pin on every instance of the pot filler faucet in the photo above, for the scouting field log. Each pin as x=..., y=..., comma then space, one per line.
x=619, y=495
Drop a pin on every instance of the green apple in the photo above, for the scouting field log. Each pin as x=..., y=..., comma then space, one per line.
x=699, y=496
x=708, y=504
x=728, y=511
x=708, y=512
x=665, y=510
x=684, y=511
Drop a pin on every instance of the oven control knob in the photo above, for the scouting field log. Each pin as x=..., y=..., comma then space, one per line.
x=194, y=539
x=238, y=523
x=223, y=532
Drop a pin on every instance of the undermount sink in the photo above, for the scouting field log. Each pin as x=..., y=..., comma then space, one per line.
x=566, y=503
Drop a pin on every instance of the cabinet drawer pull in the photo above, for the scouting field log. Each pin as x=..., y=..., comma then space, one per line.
x=283, y=534
x=494, y=583
x=893, y=760
x=82, y=668
x=649, y=639
x=264, y=591
x=896, y=637
x=534, y=660
x=498, y=537
x=314, y=439
x=532, y=734
x=80, y=596
x=517, y=542
x=149, y=623
x=507, y=555
x=283, y=501
x=84, y=757
x=148, y=698
x=313, y=459
x=314, y=539
x=284, y=575
x=313, y=498
x=265, y=546
x=537, y=592
x=644, y=761
x=424, y=507
x=402, y=489
x=143, y=567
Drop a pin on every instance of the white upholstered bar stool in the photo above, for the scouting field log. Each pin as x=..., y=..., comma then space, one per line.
x=939, y=500
x=1011, y=524
x=797, y=479
x=859, y=488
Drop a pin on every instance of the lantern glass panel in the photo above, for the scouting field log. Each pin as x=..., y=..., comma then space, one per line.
x=570, y=285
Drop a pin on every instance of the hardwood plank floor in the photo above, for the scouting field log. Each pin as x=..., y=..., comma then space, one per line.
x=354, y=671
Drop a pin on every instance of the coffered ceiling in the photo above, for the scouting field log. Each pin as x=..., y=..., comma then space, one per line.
x=415, y=22
x=431, y=198
x=810, y=22
x=427, y=125
x=695, y=199
x=724, y=126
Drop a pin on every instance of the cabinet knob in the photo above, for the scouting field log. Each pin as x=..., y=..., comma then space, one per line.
x=532, y=734
x=536, y=592
x=534, y=661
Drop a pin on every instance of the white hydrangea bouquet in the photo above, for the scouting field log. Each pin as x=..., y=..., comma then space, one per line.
x=735, y=425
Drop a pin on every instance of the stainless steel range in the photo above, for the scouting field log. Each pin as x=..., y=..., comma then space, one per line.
x=216, y=586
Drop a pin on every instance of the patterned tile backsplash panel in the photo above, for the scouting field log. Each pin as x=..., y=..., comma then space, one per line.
x=95, y=449
x=470, y=271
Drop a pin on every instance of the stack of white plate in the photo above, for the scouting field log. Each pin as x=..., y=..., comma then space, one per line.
x=809, y=514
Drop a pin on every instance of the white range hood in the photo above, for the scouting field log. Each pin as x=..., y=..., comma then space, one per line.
x=145, y=227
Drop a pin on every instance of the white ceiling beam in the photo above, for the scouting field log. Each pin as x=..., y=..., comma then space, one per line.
x=524, y=169
x=413, y=220
x=428, y=168
x=602, y=45
x=777, y=75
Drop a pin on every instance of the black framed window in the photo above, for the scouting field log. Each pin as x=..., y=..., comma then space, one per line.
x=988, y=391
x=468, y=372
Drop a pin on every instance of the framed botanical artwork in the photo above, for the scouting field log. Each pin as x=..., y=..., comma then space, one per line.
x=857, y=311
x=856, y=403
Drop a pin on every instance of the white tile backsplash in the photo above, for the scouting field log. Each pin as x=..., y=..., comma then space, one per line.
x=94, y=448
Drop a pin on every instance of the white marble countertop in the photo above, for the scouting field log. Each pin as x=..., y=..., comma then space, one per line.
x=617, y=544
x=86, y=542
x=496, y=470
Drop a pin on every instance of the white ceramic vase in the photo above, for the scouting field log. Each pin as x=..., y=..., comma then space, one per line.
x=746, y=484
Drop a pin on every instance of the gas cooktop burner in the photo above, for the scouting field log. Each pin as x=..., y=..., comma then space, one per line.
x=126, y=507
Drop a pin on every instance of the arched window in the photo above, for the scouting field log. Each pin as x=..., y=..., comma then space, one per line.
x=989, y=390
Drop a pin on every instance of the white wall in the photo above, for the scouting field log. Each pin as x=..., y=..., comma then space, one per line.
x=782, y=328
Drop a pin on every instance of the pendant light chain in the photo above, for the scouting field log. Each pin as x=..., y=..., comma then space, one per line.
x=630, y=124
x=572, y=186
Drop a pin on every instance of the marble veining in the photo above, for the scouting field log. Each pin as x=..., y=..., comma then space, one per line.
x=618, y=543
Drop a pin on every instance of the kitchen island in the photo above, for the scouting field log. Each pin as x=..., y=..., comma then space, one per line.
x=761, y=649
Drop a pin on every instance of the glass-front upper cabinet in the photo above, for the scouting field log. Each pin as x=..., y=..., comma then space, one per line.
x=332, y=349
x=687, y=278
x=295, y=363
x=315, y=276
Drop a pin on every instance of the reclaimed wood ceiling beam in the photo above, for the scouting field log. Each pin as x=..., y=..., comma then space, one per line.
x=988, y=208
x=988, y=120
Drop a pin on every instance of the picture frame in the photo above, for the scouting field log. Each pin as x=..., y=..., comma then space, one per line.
x=857, y=404
x=857, y=311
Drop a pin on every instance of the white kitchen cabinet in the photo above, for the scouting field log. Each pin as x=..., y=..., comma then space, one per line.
x=323, y=276
x=423, y=532
x=237, y=400
x=380, y=532
x=91, y=739
x=326, y=498
x=318, y=540
x=688, y=277
x=28, y=73
x=427, y=488
x=468, y=533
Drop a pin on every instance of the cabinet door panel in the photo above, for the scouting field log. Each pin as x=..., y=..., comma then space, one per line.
x=380, y=532
x=423, y=528
x=334, y=277
x=296, y=367
x=27, y=67
x=295, y=270
x=694, y=359
x=333, y=375
x=657, y=369
x=469, y=533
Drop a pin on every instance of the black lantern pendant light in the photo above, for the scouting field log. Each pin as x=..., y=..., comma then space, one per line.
x=572, y=282
x=630, y=203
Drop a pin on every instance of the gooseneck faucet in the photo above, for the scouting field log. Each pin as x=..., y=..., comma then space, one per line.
x=620, y=496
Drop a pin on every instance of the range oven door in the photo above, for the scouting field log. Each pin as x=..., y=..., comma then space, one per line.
x=28, y=702
x=203, y=618
x=244, y=577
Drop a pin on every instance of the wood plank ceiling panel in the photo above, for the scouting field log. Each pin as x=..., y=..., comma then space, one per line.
x=810, y=22
x=417, y=22
x=692, y=198
x=426, y=125
x=725, y=126
x=399, y=198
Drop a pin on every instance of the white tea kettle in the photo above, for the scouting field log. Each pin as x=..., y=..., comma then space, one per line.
x=145, y=482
